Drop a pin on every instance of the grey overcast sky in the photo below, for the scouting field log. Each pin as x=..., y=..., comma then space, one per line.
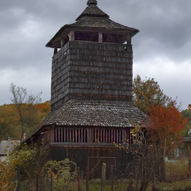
x=162, y=49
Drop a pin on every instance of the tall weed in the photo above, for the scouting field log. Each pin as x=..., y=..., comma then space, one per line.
x=176, y=169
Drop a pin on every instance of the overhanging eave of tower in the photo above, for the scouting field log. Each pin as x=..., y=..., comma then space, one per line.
x=55, y=42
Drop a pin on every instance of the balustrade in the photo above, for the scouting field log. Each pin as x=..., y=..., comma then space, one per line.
x=91, y=135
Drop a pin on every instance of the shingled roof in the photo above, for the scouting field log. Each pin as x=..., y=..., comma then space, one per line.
x=96, y=113
x=91, y=18
x=92, y=11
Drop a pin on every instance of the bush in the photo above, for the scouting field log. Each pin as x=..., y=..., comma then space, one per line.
x=63, y=174
x=7, y=178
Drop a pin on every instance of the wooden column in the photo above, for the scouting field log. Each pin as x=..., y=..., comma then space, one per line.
x=100, y=39
x=103, y=176
x=55, y=51
x=189, y=158
x=129, y=39
x=51, y=135
x=71, y=36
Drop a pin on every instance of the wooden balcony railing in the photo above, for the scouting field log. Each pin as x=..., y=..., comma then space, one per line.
x=96, y=135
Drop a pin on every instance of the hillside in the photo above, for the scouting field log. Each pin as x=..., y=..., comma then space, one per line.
x=32, y=116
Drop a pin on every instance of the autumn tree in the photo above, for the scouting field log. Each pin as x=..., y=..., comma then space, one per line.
x=166, y=124
x=26, y=109
x=8, y=119
x=166, y=121
x=7, y=178
x=10, y=122
x=147, y=93
x=163, y=112
x=153, y=142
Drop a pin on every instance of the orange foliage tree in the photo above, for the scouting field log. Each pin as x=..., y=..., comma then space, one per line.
x=44, y=108
x=166, y=124
x=166, y=121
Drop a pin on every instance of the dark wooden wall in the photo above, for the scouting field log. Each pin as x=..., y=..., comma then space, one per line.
x=93, y=157
x=88, y=147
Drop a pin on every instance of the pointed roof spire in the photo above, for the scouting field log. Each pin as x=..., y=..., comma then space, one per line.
x=92, y=2
x=92, y=11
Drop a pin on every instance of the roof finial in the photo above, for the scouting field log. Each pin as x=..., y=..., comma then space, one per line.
x=92, y=2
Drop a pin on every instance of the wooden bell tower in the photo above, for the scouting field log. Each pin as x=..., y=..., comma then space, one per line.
x=91, y=91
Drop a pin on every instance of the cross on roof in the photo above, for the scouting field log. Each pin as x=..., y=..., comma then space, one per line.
x=94, y=2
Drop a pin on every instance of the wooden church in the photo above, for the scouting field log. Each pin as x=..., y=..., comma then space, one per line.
x=91, y=92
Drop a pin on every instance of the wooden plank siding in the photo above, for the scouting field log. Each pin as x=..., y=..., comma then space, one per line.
x=93, y=156
x=96, y=135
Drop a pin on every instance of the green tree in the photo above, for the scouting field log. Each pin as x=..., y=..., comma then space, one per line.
x=187, y=114
x=28, y=115
x=63, y=173
x=30, y=159
x=147, y=93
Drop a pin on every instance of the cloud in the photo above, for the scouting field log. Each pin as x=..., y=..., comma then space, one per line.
x=34, y=80
x=173, y=79
x=161, y=49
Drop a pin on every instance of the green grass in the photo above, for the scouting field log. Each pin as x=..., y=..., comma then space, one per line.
x=184, y=185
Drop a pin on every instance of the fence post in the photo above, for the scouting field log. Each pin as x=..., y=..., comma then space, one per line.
x=112, y=178
x=87, y=179
x=78, y=178
x=37, y=182
x=51, y=182
x=18, y=177
x=130, y=187
x=103, y=176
